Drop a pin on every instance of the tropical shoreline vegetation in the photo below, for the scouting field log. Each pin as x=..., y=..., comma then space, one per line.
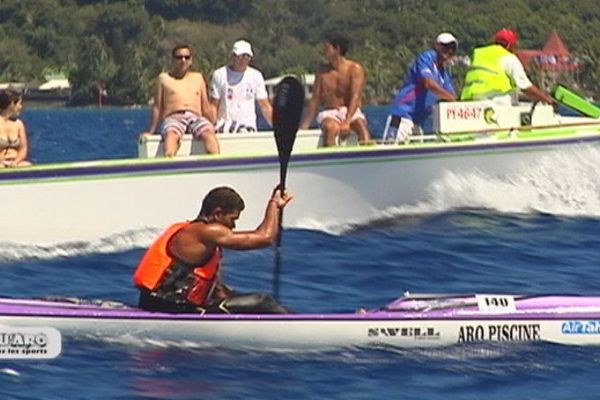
x=121, y=45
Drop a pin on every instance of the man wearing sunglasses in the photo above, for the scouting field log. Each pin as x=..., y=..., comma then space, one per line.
x=426, y=82
x=234, y=91
x=181, y=105
x=496, y=73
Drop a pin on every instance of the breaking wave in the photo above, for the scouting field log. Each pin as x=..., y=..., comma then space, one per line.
x=10, y=251
x=566, y=184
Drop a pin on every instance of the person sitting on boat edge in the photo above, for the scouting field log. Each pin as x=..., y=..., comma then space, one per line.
x=13, y=135
x=426, y=82
x=234, y=90
x=181, y=105
x=496, y=73
x=180, y=271
x=339, y=85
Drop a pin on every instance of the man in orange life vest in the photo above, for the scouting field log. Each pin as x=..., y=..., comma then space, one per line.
x=180, y=270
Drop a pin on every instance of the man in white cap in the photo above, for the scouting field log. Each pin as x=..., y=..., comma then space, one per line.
x=235, y=88
x=426, y=82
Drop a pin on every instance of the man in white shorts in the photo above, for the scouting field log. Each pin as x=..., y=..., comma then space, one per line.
x=180, y=105
x=339, y=114
x=234, y=90
x=338, y=86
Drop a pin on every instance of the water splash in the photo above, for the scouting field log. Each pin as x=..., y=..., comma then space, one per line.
x=566, y=184
x=562, y=184
x=10, y=372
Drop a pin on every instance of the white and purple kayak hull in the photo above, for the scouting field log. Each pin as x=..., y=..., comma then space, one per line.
x=410, y=321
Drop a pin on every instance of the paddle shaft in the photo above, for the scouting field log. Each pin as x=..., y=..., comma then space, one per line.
x=287, y=111
x=277, y=268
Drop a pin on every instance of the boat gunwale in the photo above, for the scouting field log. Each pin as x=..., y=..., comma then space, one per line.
x=99, y=169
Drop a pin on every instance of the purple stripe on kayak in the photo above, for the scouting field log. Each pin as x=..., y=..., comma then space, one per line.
x=537, y=308
x=523, y=303
x=399, y=317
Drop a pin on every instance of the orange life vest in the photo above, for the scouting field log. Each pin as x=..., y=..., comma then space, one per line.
x=156, y=261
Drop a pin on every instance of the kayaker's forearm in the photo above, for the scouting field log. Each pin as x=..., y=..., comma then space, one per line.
x=270, y=224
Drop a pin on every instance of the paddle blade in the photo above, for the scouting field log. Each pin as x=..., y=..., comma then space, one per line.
x=287, y=111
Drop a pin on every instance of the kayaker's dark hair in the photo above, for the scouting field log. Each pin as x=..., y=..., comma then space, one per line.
x=181, y=47
x=339, y=40
x=8, y=97
x=224, y=197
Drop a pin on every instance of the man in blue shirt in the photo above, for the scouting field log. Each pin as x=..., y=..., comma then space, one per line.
x=426, y=82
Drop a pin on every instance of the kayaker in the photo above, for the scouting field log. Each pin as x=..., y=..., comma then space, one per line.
x=426, y=82
x=339, y=85
x=497, y=73
x=180, y=270
x=181, y=105
x=235, y=89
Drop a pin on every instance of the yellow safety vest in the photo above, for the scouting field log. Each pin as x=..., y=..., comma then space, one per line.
x=486, y=78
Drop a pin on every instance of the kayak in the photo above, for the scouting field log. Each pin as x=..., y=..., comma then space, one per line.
x=407, y=322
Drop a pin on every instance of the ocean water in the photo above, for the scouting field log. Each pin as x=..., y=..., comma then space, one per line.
x=534, y=232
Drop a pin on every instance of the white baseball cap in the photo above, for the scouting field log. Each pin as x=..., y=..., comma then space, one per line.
x=445, y=38
x=242, y=47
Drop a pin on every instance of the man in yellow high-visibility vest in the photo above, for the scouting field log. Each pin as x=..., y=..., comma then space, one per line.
x=496, y=73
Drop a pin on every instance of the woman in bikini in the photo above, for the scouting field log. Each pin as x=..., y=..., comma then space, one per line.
x=13, y=136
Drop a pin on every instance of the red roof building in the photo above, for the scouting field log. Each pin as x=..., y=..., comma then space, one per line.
x=555, y=56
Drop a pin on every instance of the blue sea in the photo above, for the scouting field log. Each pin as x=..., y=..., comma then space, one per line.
x=535, y=232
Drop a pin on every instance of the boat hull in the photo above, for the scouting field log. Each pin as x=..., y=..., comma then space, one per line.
x=88, y=201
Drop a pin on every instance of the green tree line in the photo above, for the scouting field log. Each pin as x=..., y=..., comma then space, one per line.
x=121, y=45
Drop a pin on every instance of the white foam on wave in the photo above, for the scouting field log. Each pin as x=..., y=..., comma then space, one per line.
x=140, y=238
x=562, y=184
x=10, y=371
x=566, y=184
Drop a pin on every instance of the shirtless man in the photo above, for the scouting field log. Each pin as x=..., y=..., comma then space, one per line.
x=180, y=103
x=180, y=271
x=338, y=86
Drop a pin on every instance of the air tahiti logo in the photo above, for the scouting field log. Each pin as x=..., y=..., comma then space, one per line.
x=499, y=333
x=416, y=333
x=489, y=116
x=581, y=328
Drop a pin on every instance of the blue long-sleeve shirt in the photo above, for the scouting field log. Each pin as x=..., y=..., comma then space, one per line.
x=413, y=101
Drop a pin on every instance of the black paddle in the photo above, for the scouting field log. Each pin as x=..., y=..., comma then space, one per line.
x=287, y=111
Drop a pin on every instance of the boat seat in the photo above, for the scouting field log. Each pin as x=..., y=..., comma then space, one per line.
x=258, y=143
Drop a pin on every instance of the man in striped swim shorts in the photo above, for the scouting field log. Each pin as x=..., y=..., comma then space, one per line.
x=181, y=103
